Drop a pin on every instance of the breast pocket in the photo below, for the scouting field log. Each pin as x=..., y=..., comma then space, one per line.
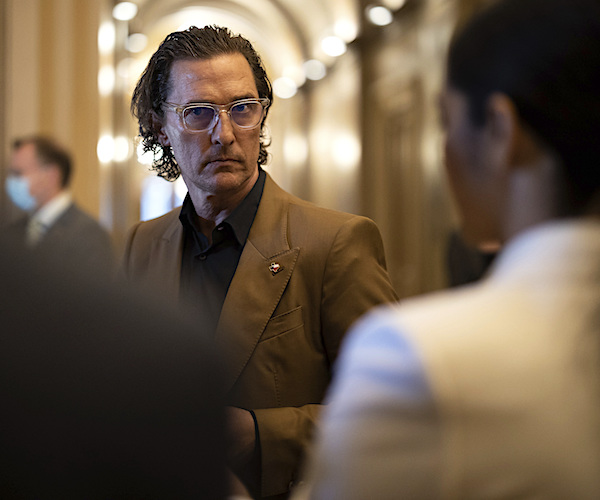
x=283, y=323
x=288, y=356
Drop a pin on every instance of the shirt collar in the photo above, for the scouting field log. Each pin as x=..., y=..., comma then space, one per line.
x=51, y=211
x=241, y=219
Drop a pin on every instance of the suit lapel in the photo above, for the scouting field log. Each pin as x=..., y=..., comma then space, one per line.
x=167, y=249
x=264, y=270
x=56, y=232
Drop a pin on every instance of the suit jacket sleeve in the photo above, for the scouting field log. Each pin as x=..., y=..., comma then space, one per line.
x=354, y=280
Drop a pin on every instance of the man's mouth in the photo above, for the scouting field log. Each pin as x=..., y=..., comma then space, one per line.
x=223, y=160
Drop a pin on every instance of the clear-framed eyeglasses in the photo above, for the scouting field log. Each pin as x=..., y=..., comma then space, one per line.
x=200, y=117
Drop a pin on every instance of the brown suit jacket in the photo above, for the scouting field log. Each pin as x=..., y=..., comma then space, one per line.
x=280, y=331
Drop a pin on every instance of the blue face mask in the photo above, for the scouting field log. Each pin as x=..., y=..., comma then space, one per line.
x=17, y=189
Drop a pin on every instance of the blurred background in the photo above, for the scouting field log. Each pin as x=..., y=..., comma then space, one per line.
x=355, y=123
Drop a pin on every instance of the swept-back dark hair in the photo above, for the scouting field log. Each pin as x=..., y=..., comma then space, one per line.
x=544, y=55
x=155, y=83
x=49, y=152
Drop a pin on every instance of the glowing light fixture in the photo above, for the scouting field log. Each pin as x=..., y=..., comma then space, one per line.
x=346, y=152
x=285, y=87
x=106, y=37
x=379, y=15
x=333, y=46
x=345, y=29
x=125, y=11
x=394, y=4
x=314, y=69
x=106, y=148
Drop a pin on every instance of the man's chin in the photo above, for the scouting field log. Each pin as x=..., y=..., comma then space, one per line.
x=224, y=182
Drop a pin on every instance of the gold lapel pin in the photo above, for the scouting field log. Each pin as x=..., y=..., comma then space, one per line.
x=275, y=267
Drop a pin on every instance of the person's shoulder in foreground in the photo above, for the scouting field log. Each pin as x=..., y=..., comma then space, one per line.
x=463, y=392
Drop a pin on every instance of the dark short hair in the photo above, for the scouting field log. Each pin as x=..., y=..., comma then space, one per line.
x=49, y=152
x=545, y=56
x=154, y=85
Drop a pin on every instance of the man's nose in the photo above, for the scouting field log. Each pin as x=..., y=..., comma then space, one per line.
x=222, y=132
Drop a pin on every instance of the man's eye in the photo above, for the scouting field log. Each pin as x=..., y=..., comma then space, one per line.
x=200, y=112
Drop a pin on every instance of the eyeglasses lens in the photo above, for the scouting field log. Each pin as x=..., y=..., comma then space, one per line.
x=198, y=117
x=245, y=114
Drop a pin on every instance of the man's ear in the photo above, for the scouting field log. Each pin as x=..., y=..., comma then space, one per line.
x=510, y=137
x=53, y=178
x=159, y=129
x=500, y=123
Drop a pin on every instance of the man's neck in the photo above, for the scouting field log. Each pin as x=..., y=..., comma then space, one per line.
x=209, y=214
x=211, y=210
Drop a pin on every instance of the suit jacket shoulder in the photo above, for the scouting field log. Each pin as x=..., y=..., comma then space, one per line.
x=513, y=363
x=153, y=251
x=78, y=237
x=75, y=238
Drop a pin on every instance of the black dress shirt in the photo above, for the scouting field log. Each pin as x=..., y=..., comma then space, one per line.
x=207, y=269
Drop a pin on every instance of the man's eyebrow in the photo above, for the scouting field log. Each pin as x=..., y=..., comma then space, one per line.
x=207, y=101
x=246, y=96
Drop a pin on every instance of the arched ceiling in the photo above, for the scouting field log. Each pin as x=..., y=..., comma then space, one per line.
x=285, y=32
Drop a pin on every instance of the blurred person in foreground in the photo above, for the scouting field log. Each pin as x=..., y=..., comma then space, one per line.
x=275, y=279
x=39, y=174
x=106, y=392
x=493, y=390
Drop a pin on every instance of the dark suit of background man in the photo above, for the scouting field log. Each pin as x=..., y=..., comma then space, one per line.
x=39, y=172
x=277, y=279
x=105, y=393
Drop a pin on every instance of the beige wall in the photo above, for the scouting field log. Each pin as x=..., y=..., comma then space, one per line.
x=49, y=83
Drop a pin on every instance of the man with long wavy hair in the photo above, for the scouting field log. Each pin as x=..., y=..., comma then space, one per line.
x=276, y=279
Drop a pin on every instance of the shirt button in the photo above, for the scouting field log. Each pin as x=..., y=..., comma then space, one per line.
x=202, y=256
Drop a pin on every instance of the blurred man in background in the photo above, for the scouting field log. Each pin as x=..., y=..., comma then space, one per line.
x=39, y=173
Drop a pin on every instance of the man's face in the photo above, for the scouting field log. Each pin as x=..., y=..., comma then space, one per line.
x=43, y=180
x=221, y=161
